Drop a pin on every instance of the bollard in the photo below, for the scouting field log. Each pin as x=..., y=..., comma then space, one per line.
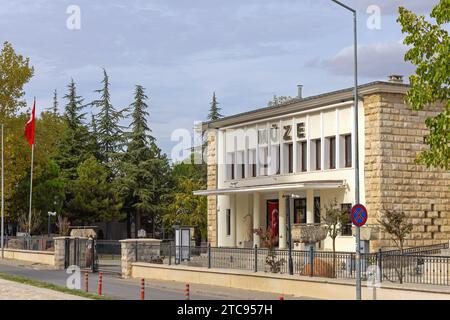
x=100, y=276
x=142, y=289
x=281, y=298
x=86, y=281
x=187, y=294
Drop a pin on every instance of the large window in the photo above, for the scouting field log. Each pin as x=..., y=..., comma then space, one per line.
x=317, y=143
x=228, y=218
x=300, y=210
x=332, y=152
x=304, y=150
x=348, y=150
x=346, y=230
x=252, y=163
x=230, y=166
x=316, y=209
x=263, y=161
x=288, y=158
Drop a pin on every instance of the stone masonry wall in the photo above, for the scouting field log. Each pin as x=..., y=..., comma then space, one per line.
x=212, y=184
x=394, y=137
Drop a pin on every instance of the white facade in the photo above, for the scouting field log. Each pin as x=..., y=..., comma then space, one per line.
x=257, y=162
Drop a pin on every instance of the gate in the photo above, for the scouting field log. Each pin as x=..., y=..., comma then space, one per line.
x=109, y=256
x=81, y=252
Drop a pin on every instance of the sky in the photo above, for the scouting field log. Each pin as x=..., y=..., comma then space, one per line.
x=182, y=51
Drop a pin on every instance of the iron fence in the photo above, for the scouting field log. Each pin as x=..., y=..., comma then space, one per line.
x=411, y=267
x=35, y=243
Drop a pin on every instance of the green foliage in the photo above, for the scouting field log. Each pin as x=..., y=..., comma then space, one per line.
x=430, y=52
x=184, y=207
x=93, y=198
x=15, y=72
x=74, y=142
x=145, y=173
x=109, y=131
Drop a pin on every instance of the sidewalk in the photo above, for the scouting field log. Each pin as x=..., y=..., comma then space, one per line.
x=10, y=290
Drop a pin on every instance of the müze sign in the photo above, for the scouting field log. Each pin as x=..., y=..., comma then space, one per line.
x=287, y=133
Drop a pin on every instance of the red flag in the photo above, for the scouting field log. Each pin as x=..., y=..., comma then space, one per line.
x=29, y=127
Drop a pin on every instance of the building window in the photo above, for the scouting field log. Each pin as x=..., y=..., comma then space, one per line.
x=252, y=162
x=300, y=210
x=228, y=217
x=290, y=158
x=304, y=148
x=348, y=150
x=318, y=155
x=346, y=230
x=332, y=152
x=263, y=161
x=230, y=166
x=316, y=209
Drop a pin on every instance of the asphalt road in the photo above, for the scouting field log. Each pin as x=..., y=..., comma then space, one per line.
x=128, y=289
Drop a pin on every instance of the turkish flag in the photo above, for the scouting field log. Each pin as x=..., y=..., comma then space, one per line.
x=29, y=127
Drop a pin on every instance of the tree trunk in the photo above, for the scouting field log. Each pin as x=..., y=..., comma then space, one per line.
x=333, y=275
x=401, y=262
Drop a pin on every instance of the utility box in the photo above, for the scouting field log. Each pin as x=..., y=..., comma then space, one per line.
x=183, y=235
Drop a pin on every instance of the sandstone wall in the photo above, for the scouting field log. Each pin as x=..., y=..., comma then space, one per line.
x=394, y=137
x=212, y=184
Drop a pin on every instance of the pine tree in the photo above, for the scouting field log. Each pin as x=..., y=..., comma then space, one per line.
x=109, y=131
x=54, y=108
x=73, y=147
x=145, y=174
x=214, y=110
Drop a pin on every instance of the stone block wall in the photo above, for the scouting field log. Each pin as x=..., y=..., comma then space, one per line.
x=394, y=137
x=212, y=184
x=141, y=250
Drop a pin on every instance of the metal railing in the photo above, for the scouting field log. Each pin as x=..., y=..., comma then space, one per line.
x=411, y=267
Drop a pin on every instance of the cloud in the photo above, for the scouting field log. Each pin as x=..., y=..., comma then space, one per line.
x=374, y=61
x=390, y=7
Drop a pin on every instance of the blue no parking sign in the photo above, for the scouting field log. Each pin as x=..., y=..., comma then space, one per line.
x=359, y=215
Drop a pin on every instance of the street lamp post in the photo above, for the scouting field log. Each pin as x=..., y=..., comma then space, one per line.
x=356, y=164
x=50, y=213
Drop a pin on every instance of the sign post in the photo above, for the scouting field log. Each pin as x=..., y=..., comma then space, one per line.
x=359, y=218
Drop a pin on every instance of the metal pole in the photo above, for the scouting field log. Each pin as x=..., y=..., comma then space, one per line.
x=48, y=225
x=289, y=238
x=31, y=190
x=356, y=106
x=3, y=213
x=356, y=164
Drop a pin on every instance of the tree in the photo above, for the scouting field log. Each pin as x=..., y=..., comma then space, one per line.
x=430, y=84
x=214, y=110
x=109, y=130
x=93, y=198
x=15, y=72
x=335, y=219
x=144, y=176
x=396, y=224
x=54, y=108
x=74, y=143
x=184, y=208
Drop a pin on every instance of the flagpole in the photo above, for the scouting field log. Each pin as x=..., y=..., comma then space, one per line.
x=31, y=190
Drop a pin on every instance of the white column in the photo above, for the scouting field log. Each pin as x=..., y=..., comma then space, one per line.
x=256, y=217
x=322, y=144
x=281, y=221
x=308, y=145
x=309, y=206
x=338, y=142
x=294, y=146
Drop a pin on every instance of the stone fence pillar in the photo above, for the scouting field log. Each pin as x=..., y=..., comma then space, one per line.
x=142, y=250
x=60, y=252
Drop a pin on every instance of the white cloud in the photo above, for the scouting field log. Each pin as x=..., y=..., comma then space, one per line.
x=374, y=61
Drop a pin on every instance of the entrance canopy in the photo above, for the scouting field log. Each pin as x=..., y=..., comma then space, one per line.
x=323, y=184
